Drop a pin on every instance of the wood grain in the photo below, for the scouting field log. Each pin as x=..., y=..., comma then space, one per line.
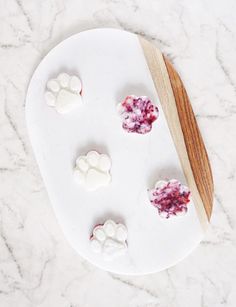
x=195, y=147
x=184, y=129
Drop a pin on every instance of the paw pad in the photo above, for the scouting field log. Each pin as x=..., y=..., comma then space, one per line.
x=64, y=93
x=109, y=239
x=170, y=198
x=93, y=170
x=138, y=114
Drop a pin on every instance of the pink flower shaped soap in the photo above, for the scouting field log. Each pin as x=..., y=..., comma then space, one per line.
x=170, y=198
x=138, y=114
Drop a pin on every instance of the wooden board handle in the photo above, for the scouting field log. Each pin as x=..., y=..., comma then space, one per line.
x=184, y=129
x=193, y=140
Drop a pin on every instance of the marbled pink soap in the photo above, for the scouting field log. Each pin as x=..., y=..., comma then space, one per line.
x=138, y=114
x=170, y=198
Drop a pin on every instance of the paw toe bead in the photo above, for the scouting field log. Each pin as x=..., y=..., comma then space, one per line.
x=64, y=79
x=75, y=84
x=53, y=85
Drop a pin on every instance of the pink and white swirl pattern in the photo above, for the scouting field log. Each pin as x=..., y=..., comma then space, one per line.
x=138, y=114
x=171, y=198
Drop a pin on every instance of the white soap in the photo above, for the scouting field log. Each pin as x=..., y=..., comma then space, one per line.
x=63, y=93
x=92, y=172
x=109, y=240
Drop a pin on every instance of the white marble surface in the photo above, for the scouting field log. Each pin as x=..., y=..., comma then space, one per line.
x=37, y=266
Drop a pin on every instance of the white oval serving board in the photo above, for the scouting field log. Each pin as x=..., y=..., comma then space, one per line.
x=111, y=65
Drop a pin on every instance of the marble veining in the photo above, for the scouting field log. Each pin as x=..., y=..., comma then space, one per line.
x=37, y=266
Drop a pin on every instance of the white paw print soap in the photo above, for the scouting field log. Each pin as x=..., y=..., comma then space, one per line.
x=93, y=170
x=64, y=93
x=109, y=239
